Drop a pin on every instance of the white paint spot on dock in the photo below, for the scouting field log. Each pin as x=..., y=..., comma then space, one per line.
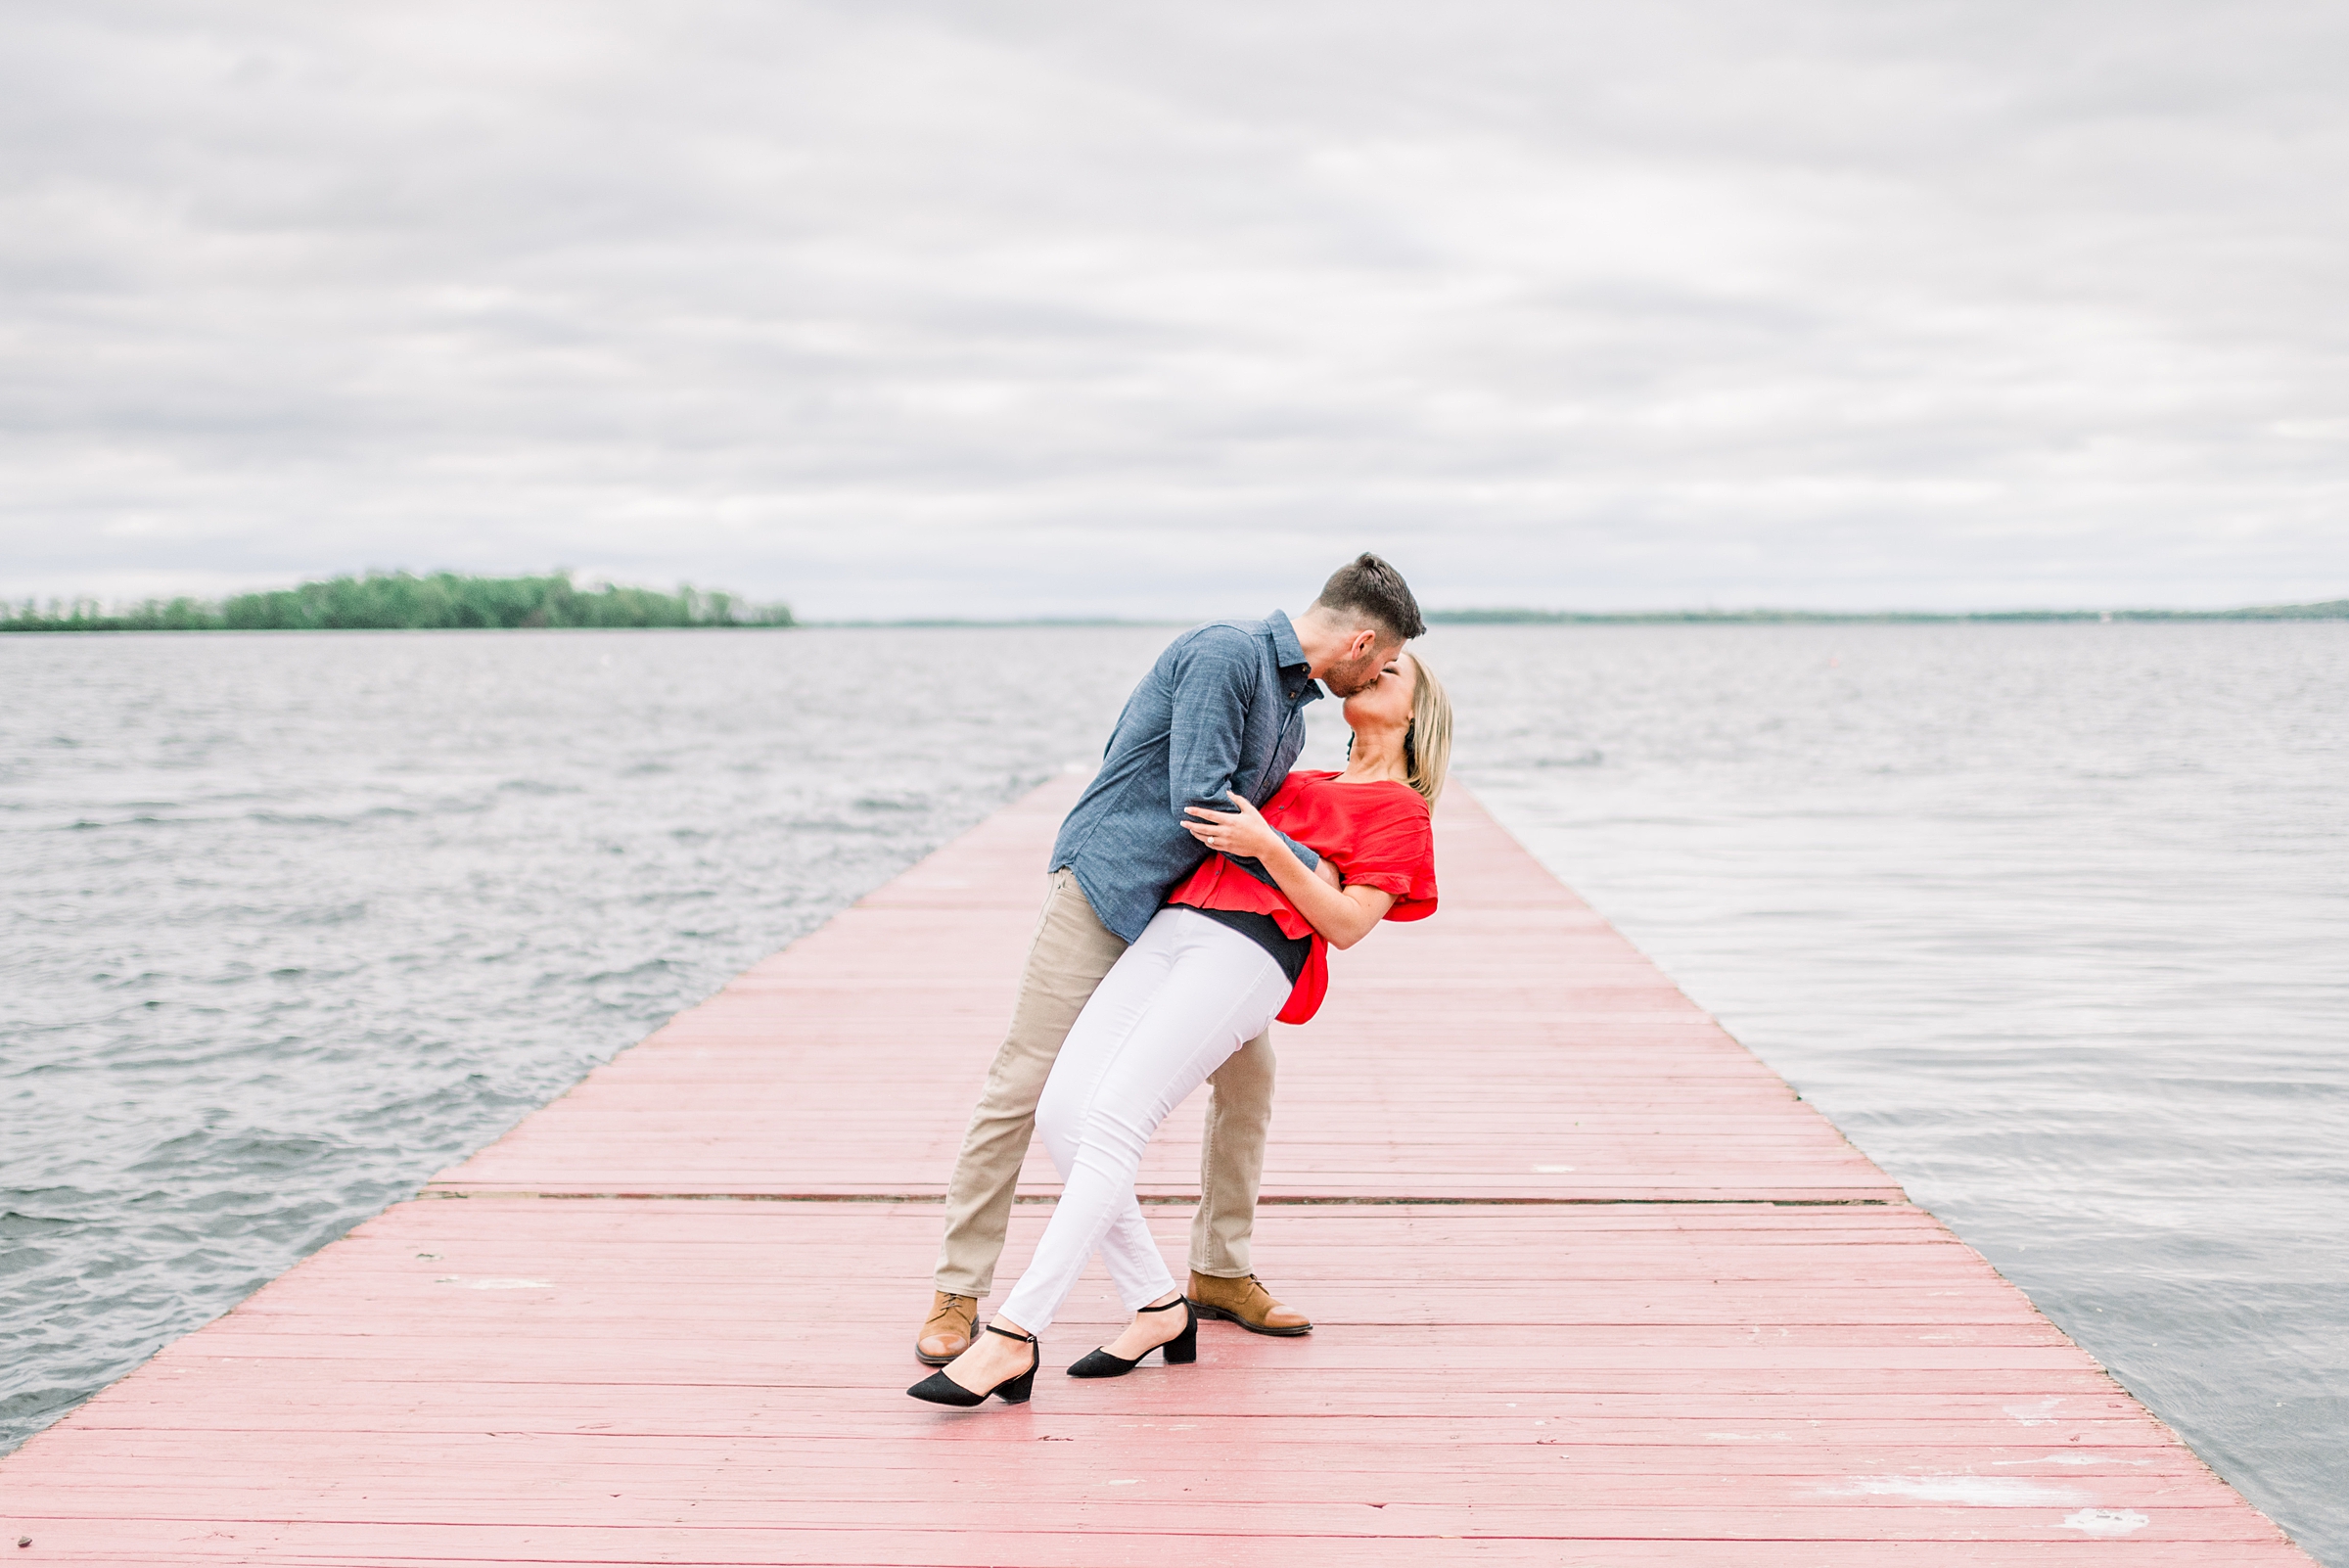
x=2070, y=1458
x=2039, y=1413
x=494, y=1284
x=2106, y=1521
x=1972, y=1491
x=1553, y=1169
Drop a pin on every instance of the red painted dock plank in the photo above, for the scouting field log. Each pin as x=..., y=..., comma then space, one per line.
x=1652, y=1309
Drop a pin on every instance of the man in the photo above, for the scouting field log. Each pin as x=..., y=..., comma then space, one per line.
x=1223, y=708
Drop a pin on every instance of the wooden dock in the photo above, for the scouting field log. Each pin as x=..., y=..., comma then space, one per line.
x=1592, y=1288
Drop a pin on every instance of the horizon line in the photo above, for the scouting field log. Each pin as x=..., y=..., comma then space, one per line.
x=2320, y=609
x=80, y=618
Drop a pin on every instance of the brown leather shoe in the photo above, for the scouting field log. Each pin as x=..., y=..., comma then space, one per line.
x=1246, y=1302
x=946, y=1332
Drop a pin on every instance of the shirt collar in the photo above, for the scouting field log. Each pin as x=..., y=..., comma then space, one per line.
x=1297, y=683
x=1286, y=649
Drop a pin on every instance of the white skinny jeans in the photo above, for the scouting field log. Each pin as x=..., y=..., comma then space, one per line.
x=1180, y=1000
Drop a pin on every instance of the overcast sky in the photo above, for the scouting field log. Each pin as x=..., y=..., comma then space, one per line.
x=1062, y=308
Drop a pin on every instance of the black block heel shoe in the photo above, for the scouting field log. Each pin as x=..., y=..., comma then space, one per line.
x=940, y=1389
x=1183, y=1348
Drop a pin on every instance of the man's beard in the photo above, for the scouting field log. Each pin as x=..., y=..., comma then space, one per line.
x=1355, y=675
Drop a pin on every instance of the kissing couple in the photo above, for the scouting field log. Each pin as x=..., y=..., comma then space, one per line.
x=1196, y=888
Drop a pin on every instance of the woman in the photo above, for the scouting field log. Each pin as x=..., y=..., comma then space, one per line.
x=1214, y=967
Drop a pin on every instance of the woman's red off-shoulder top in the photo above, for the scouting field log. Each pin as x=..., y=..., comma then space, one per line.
x=1377, y=834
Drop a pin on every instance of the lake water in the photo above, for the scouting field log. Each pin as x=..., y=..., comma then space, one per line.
x=2054, y=921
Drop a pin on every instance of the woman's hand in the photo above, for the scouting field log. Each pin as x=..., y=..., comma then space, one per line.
x=1342, y=915
x=1241, y=831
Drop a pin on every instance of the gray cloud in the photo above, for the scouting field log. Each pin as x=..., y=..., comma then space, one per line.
x=1060, y=307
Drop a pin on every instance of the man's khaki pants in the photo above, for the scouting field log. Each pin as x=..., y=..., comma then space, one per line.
x=1073, y=949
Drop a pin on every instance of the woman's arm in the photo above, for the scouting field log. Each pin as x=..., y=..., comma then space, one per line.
x=1342, y=915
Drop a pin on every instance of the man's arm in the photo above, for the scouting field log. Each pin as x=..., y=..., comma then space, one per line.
x=1215, y=679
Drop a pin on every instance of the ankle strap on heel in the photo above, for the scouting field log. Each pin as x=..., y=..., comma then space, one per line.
x=1164, y=1306
x=1025, y=1339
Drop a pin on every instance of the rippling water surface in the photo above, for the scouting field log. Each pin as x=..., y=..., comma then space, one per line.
x=294, y=920
x=2053, y=920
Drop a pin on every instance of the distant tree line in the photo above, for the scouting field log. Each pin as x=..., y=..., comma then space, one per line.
x=395, y=601
x=2329, y=610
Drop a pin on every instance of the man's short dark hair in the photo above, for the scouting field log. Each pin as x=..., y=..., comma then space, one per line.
x=1371, y=588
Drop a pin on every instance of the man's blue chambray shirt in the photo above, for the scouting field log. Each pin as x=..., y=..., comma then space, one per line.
x=1223, y=708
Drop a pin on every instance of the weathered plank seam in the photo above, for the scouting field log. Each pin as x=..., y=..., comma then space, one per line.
x=1293, y=1201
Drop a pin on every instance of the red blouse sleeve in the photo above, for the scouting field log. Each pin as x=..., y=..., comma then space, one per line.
x=1394, y=851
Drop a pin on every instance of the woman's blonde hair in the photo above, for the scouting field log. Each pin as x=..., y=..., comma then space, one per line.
x=1427, y=744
